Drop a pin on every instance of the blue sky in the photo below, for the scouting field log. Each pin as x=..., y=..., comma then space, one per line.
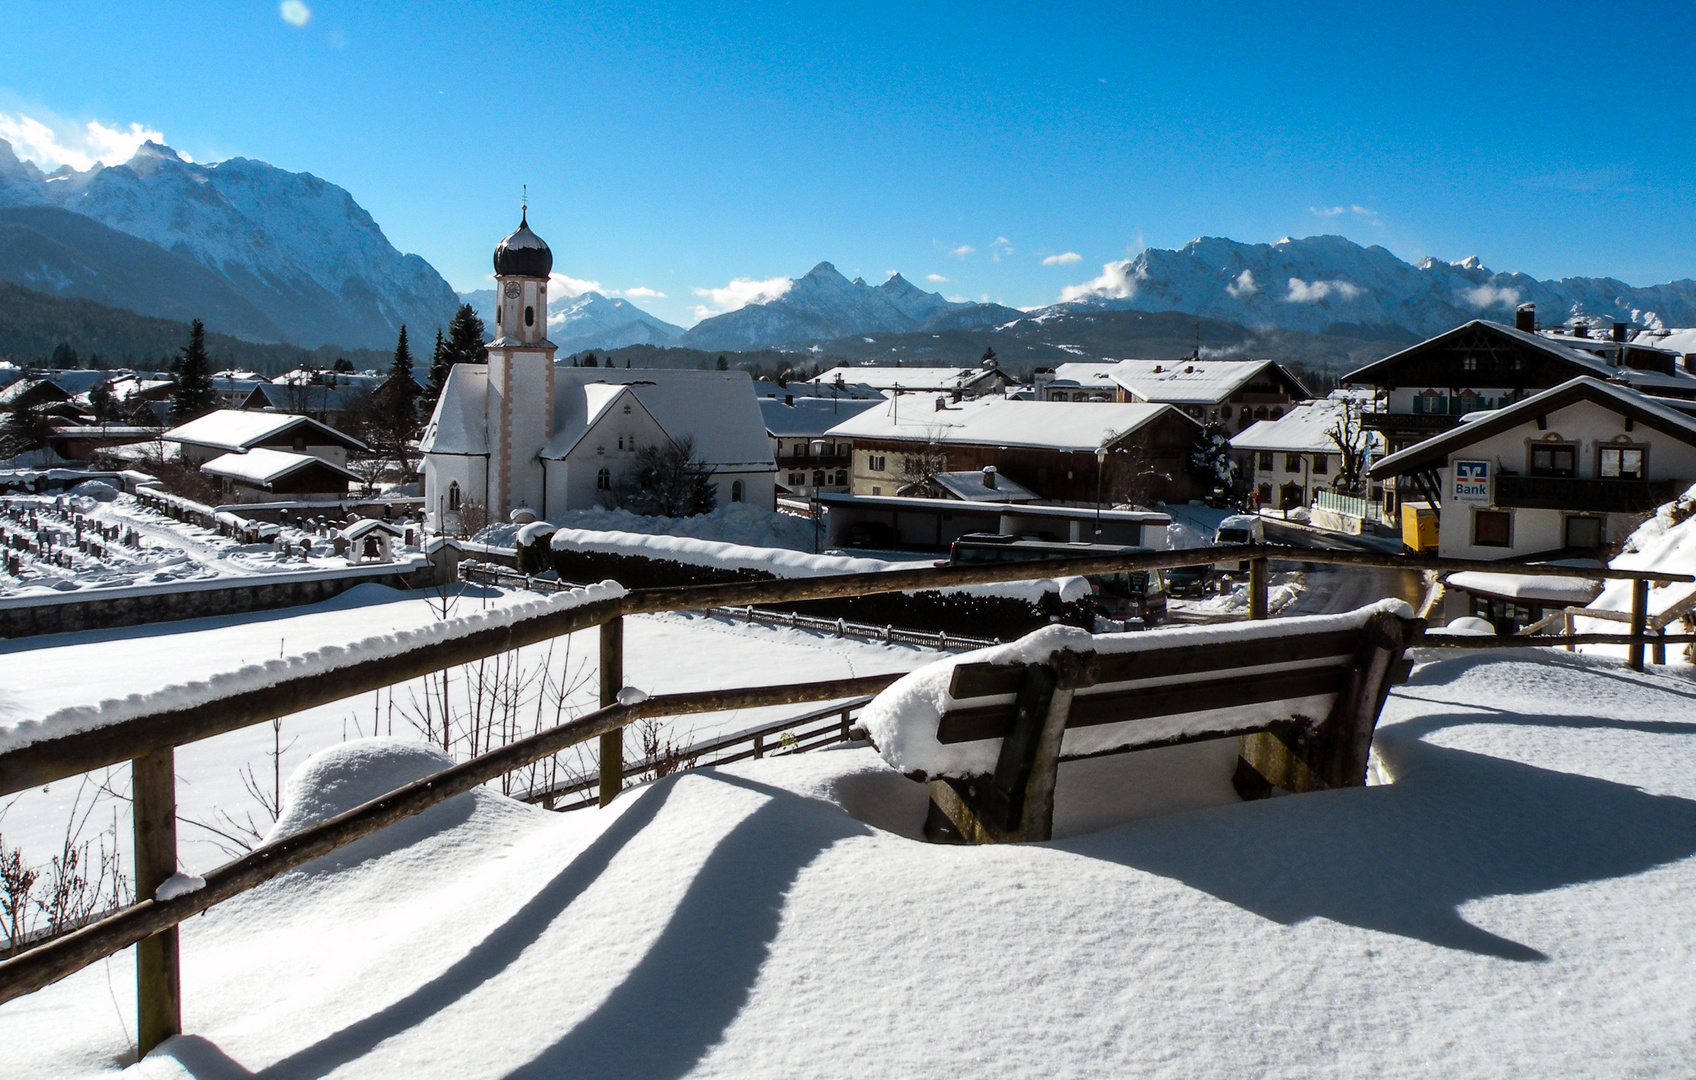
x=676, y=148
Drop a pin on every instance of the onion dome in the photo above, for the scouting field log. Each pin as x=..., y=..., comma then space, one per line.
x=523, y=254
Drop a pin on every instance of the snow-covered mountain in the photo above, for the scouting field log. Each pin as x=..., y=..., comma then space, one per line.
x=297, y=248
x=588, y=321
x=823, y=305
x=1330, y=283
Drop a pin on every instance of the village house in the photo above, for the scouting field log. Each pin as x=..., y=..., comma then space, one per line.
x=264, y=475
x=1235, y=393
x=1569, y=469
x=234, y=431
x=1286, y=462
x=521, y=431
x=808, y=461
x=1074, y=452
x=959, y=383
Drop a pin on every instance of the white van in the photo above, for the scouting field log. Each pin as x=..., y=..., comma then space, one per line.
x=1239, y=529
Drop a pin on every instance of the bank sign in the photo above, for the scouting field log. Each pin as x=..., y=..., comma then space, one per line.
x=1472, y=482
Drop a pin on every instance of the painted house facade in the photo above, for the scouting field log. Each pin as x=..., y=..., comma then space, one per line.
x=1570, y=469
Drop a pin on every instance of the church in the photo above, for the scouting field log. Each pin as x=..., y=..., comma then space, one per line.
x=521, y=431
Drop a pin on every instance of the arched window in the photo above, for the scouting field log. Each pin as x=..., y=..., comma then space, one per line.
x=736, y=491
x=529, y=315
x=603, y=480
x=453, y=497
x=621, y=442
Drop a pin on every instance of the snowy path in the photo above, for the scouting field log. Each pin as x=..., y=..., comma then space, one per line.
x=1514, y=898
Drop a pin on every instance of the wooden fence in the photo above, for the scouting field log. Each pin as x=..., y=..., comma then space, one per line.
x=149, y=741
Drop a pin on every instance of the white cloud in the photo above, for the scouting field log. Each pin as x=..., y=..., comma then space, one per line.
x=1000, y=241
x=1327, y=211
x=294, y=12
x=642, y=292
x=1309, y=292
x=1244, y=285
x=1488, y=296
x=1338, y=211
x=962, y=251
x=1115, y=283
x=561, y=285
x=739, y=294
x=35, y=141
x=1064, y=259
x=938, y=278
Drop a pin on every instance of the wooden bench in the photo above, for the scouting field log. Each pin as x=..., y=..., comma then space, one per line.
x=1303, y=702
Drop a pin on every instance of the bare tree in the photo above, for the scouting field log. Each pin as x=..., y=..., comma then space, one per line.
x=669, y=480
x=1353, y=442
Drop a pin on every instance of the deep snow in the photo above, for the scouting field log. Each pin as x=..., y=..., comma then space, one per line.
x=1512, y=898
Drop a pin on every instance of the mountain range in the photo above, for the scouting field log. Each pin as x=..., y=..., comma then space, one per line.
x=281, y=256
x=589, y=320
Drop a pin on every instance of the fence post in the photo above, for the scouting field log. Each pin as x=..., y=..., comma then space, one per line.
x=759, y=746
x=612, y=681
x=1566, y=628
x=1639, y=623
x=1659, y=656
x=1257, y=588
x=158, y=985
x=845, y=725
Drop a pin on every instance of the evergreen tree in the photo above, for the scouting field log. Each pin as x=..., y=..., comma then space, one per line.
x=988, y=357
x=102, y=403
x=465, y=338
x=589, y=361
x=400, y=393
x=722, y=364
x=440, y=365
x=194, y=395
x=343, y=365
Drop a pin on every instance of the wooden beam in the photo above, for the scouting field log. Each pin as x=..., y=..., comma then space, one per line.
x=1639, y=623
x=612, y=681
x=158, y=982
x=1257, y=600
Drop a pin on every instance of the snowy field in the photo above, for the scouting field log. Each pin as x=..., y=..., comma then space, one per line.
x=149, y=548
x=1513, y=896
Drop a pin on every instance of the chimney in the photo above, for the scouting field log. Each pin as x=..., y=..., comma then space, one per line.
x=1581, y=330
x=1525, y=318
x=789, y=399
x=1690, y=362
x=941, y=402
x=1619, y=331
x=989, y=477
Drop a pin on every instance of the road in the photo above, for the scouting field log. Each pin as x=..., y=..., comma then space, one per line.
x=1343, y=588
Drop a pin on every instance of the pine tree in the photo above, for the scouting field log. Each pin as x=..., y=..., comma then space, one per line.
x=722, y=365
x=400, y=392
x=194, y=395
x=465, y=338
x=440, y=365
x=988, y=359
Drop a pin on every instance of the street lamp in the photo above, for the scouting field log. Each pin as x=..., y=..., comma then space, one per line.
x=817, y=446
x=1100, y=467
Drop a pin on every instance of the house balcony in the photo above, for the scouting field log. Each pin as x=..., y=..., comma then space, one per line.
x=1589, y=496
x=816, y=461
x=1422, y=423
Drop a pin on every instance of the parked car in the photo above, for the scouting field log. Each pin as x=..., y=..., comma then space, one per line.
x=1190, y=582
x=1239, y=529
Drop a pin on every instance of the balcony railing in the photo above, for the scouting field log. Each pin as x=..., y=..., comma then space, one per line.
x=832, y=461
x=1425, y=423
x=1572, y=493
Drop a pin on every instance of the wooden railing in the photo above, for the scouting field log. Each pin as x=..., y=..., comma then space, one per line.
x=1584, y=494
x=149, y=741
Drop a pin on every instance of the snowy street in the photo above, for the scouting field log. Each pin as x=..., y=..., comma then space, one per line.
x=1512, y=896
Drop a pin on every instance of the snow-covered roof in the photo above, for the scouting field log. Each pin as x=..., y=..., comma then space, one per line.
x=1304, y=429
x=262, y=467
x=970, y=486
x=808, y=416
x=996, y=421
x=1185, y=382
x=597, y=398
x=1570, y=590
x=714, y=408
x=237, y=429
x=1435, y=450
x=909, y=378
x=1097, y=374
x=365, y=525
x=1555, y=350
x=459, y=423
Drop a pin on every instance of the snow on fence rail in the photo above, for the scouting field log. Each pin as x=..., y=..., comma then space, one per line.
x=496, y=575
x=146, y=730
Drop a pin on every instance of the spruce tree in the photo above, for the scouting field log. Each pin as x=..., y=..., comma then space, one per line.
x=194, y=395
x=465, y=338
x=440, y=365
x=400, y=391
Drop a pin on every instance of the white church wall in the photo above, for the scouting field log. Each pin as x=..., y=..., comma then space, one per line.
x=441, y=472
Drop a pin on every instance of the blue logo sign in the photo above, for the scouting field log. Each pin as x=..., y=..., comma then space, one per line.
x=1472, y=482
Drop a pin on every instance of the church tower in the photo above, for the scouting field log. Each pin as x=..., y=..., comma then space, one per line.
x=521, y=373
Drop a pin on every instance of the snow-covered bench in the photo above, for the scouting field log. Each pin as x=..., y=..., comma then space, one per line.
x=988, y=734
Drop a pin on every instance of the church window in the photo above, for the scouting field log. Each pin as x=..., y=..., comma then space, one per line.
x=453, y=496
x=500, y=314
x=736, y=491
x=529, y=315
x=627, y=410
x=621, y=442
x=603, y=480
